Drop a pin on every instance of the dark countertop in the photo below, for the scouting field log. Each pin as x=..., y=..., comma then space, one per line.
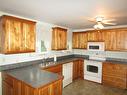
x=59, y=59
x=34, y=76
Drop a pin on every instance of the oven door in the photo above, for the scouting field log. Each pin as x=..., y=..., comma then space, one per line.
x=93, y=68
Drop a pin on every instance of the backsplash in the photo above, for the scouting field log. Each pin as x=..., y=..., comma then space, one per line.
x=112, y=54
x=16, y=58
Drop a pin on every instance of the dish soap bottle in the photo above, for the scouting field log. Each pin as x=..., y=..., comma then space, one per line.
x=55, y=58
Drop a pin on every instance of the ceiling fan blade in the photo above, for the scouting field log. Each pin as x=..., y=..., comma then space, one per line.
x=108, y=23
x=108, y=20
x=89, y=19
x=92, y=20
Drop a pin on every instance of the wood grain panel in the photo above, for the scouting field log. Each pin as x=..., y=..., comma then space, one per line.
x=55, y=69
x=17, y=35
x=121, y=39
x=79, y=40
x=59, y=39
x=115, y=81
x=115, y=75
x=78, y=69
x=115, y=39
x=95, y=36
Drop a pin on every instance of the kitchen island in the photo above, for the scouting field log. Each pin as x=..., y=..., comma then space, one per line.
x=31, y=80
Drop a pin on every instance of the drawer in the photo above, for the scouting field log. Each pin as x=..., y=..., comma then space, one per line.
x=115, y=81
x=55, y=69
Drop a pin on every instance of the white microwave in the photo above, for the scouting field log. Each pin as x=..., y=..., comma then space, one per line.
x=96, y=46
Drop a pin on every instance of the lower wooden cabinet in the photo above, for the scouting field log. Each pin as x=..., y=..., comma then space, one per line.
x=78, y=69
x=56, y=88
x=53, y=89
x=16, y=87
x=7, y=89
x=10, y=86
x=115, y=75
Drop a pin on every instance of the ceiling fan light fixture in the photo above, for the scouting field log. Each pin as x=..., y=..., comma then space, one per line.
x=98, y=26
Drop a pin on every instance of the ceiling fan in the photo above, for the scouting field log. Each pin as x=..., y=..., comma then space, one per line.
x=100, y=21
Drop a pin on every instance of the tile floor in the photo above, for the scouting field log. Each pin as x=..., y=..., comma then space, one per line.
x=82, y=87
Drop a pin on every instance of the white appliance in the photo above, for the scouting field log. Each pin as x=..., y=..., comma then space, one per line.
x=93, y=71
x=96, y=46
x=67, y=73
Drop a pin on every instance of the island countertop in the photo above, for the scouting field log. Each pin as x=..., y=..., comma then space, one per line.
x=33, y=76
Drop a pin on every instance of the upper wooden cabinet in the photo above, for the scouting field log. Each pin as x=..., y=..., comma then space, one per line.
x=16, y=35
x=114, y=39
x=121, y=42
x=95, y=36
x=59, y=38
x=79, y=40
x=110, y=39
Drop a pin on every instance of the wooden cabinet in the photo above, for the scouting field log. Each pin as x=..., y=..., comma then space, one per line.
x=78, y=69
x=7, y=89
x=79, y=40
x=114, y=39
x=75, y=40
x=95, y=36
x=115, y=75
x=55, y=69
x=121, y=41
x=110, y=39
x=75, y=69
x=56, y=88
x=59, y=38
x=12, y=86
x=17, y=35
x=81, y=68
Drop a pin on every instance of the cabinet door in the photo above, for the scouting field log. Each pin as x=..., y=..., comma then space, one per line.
x=95, y=36
x=13, y=36
x=62, y=39
x=17, y=87
x=82, y=40
x=81, y=69
x=79, y=40
x=75, y=41
x=121, y=35
x=28, y=37
x=110, y=39
x=45, y=90
x=75, y=69
x=56, y=88
x=59, y=38
x=115, y=75
x=7, y=89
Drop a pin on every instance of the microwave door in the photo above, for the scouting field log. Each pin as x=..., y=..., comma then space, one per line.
x=94, y=47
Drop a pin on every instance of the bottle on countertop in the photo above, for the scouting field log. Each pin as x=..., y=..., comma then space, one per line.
x=55, y=58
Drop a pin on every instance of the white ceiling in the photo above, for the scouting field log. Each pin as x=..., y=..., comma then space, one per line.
x=67, y=13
